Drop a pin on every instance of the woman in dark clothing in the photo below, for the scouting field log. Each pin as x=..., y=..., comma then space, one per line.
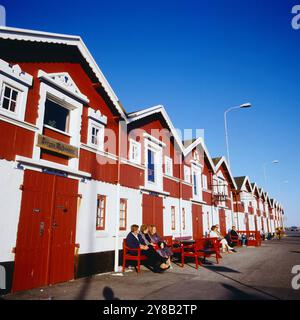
x=137, y=240
x=163, y=250
x=154, y=258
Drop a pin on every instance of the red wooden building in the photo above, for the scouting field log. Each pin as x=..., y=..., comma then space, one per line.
x=77, y=170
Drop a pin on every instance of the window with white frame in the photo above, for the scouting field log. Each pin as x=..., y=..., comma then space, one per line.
x=183, y=219
x=9, y=98
x=197, y=183
x=173, y=221
x=187, y=174
x=56, y=116
x=134, y=151
x=204, y=182
x=153, y=165
x=96, y=136
x=14, y=85
x=215, y=185
x=168, y=166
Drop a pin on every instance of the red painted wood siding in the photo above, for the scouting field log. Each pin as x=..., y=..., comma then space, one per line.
x=187, y=192
x=172, y=187
x=14, y=141
x=131, y=176
x=104, y=172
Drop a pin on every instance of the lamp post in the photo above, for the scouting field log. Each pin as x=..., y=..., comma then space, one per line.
x=265, y=170
x=242, y=106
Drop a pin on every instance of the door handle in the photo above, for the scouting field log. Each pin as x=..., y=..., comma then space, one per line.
x=42, y=228
x=54, y=225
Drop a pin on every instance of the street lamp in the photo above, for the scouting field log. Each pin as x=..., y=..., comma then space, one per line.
x=242, y=106
x=265, y=171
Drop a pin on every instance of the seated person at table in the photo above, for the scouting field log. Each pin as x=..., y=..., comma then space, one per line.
x=155, y=260
x=163, y=250
x=214, y=233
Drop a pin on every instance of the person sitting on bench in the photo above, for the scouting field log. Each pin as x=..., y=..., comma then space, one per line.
x=230, y=236
x=163, y=250
x=214, y=233
x=155, y=261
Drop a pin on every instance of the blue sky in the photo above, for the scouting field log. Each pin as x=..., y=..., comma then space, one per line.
x=199, y=58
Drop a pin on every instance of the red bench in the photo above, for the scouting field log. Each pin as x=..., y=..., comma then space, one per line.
x=256, y=241
x=235, y=240
x=203, y=247
x=127, y=256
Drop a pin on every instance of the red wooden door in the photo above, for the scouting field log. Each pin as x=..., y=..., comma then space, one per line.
x=63, y=231
x=197, y=221
x=153, y=211
x=33, y=238
x=222, y=219
x=46, y=232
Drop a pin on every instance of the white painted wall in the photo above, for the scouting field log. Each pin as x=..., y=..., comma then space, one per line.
x=168, y=202
x=215, y=216
x=241, y=221
x=188, y=219
x=10, y=200
x=251, y=222
x=92, y=240
x=207, y=219
x=229, y=220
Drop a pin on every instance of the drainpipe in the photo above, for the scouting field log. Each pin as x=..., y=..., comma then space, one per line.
x=117, y=224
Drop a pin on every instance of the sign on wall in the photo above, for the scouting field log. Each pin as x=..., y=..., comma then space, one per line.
x=57, y=146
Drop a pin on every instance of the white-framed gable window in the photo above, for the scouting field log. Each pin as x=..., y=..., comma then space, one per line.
x=56, y=115
x=204, y=182
x=96, y=135
x=187, y=174
x=197, y=182
x=9, y=98
x=96, y=129
x=168, y=166
x=153, y=164
x=59, y=109
x=14, y=85
x=134, y=151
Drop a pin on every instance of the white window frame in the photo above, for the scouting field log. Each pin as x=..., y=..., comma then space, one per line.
x=100, y=127
x=157, y=185
x=204, y=182
x=168, y=166
x=135, y=157
x=54, y=90
x=196, y=170
x=187, y=174
x=22, y=89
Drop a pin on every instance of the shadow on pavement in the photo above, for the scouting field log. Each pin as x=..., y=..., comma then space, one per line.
x=237, y=294
x=109, y=294
x=295, y=251
x=221, y=269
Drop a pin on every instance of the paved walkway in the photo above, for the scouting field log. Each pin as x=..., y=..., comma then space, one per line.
x=252, y=273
